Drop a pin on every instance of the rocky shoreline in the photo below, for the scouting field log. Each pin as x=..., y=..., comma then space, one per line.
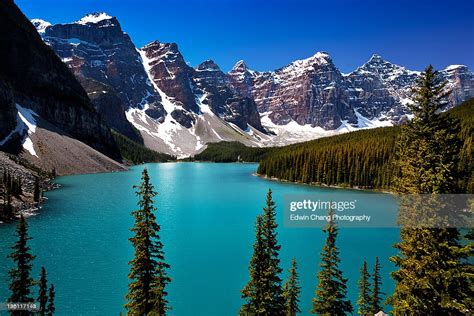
x=321, y=185
x=28, y=175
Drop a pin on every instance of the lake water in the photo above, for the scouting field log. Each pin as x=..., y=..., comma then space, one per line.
x=207, y=213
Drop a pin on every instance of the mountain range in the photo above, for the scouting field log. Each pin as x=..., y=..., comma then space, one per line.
x=154, y=97
x=177, y=109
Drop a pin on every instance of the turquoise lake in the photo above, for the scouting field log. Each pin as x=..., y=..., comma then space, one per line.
x=207, y=213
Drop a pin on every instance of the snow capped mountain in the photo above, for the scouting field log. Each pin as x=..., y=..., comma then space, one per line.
x=177, y=109
x=306, y=91
x=47, y=118
x=241, y=78
x=313, y=91
x=199, y=103
x=460, y=82
x=94, y=18
x=107, y=64
x=40, y=25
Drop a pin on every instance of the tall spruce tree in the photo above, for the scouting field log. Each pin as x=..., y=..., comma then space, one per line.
x=363, y=301
x=263, y=293
x=147, y=290
x=43, y=292
x=432, y=274
x=51, y=309
x=252, y=293
x=21, y=281
x=291, y=291
x=376, y=292
x=330, y=295
x=274, y=301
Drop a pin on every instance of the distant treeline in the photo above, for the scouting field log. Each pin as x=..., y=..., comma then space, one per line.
x=136, y=153
x=231, y=152
x=360, y=159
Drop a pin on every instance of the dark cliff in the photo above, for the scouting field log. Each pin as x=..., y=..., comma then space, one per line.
x=32, y=75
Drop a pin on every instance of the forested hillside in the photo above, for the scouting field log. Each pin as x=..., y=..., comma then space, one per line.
x=136, y=153
x=231, y=152
x=360, y=159
x=465, y=114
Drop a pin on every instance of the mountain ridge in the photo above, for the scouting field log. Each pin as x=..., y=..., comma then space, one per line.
x=46, y=115
x=306, y=99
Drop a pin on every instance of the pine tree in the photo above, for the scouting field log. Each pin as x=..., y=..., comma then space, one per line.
x=252, y=293
x=363, y=301
x=263, y=292
x=37, y=191
x=147, y=290
x=432, y=275
x=291, y=291
x=21, y=281
x=331, y=293
x=50, y=309
x=273, y=299
x=43, y=292
x=376, y=293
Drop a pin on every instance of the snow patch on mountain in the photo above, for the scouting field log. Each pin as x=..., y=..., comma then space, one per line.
x=171, y=137
x=364, y=123
x=26, y=126
x=94, y=18
x=40, y=25
x=453, y=67
x=291, y=132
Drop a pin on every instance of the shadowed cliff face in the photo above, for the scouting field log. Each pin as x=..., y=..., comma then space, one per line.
x=7, y=109
x=33, y=76
x=110, y=106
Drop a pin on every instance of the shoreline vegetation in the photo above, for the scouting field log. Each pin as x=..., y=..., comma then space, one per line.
x=320, y=185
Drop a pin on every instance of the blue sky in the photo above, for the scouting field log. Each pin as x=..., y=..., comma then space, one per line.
x=269, y=34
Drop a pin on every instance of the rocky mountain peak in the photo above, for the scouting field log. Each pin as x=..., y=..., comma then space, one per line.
x=390, y=74
x=375, y=58
x=376, y=62
x=96, y=48
x=170, y=73
x=97, y=18
x=457, y=68
x=321, y=61
x=460, y=83
x=164, y=52
x=208, y=65
x=153, y=44
x=241, y=71
x=241, y=78
x=320, y=58
x=156, y=44
x=240, y=66
x=40, y=25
